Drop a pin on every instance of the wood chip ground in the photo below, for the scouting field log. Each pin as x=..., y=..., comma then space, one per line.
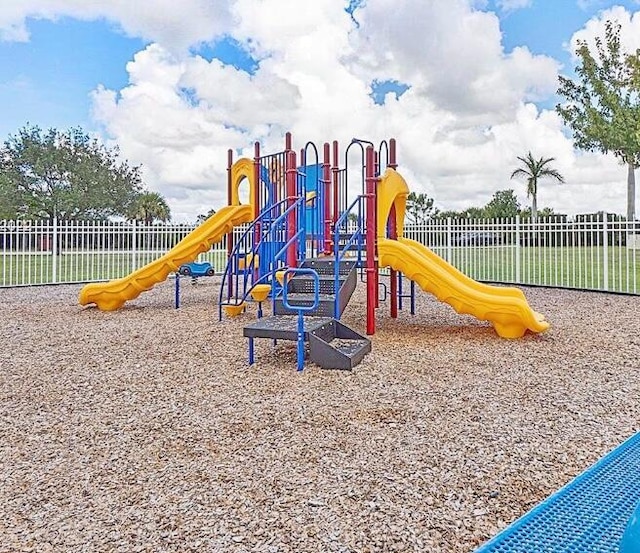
x=145, y=430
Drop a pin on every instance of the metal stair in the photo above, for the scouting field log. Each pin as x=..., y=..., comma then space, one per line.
x=336, y=346
x=301, y=293
x=332, y=345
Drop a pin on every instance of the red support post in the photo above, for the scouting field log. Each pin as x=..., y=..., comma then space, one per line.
x=255, y=193
x=393, y=164
x=291, y=176
x=326, y=189
x=256, y=179
x=371, y=269
x=376, y=172
x=335, y=173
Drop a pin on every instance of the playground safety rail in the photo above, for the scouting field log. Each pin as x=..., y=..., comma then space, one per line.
x=356, y=235
x=301, y=309
x=592, y=253
x=246, y=246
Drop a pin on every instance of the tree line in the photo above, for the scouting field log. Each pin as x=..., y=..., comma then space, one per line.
x=503, y=205
x=71, y=176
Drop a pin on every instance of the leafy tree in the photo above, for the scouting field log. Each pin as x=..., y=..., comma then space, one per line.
x=203, y=217
x=534, y=170
x=9, y=204
x=473, y=213
x=352, y=218
x=503, y=204
x=544, y=213
x=149, y=207
x=449, y=214
x=67, y=174
x=603, y=104
x=420, y=208
x=469, y=213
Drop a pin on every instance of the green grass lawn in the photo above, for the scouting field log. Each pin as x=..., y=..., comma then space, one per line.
x=38, y=268
x=575, y=267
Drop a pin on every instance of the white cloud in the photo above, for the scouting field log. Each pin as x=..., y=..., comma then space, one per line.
x=467, y=114
x=174, y=24
x=452, y=55
x=587, y=5
x=595, y=27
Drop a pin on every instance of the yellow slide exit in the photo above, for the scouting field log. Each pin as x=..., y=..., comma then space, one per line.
x=112, y=295
x=506, y=308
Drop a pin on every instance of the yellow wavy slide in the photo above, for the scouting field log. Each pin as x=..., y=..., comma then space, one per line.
x=112, y=295
x=505, y=308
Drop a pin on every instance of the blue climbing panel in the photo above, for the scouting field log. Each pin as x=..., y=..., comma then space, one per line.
x=588, y=515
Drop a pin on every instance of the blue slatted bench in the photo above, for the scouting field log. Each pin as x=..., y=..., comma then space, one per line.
x=588, y=515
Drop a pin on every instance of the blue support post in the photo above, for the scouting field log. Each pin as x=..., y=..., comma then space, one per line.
x=177, y=290
x=251, y=351
x=301, y=308
x=413, y=297
x=300, y=345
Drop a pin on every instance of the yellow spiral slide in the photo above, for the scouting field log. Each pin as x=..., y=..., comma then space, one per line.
x=506, y=308
x=112, y=295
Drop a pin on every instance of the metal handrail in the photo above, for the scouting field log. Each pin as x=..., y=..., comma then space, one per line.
x=264, y=216
x=340, y=254
x=245, y=239
x=301, y=309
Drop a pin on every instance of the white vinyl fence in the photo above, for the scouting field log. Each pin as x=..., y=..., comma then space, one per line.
x=594, y=254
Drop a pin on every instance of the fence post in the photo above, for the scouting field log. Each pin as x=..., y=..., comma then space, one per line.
x=134, y=245
x=518, y=238
x=449, y=240
x=605, y=250
x=54, y=250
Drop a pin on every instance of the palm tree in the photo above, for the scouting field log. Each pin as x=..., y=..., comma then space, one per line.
x=534, y=170
x=202, y=217
x=149, y=207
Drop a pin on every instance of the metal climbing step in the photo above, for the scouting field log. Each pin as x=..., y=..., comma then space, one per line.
x=300, y=288
x=336, y=346
x=326, y=265
x=283, y=327
x=303, y=284
x=332, y=344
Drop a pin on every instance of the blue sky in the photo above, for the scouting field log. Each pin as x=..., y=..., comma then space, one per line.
x=458, y=96
x=47, y=81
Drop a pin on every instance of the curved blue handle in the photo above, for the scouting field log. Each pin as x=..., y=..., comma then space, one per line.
x=316, y=289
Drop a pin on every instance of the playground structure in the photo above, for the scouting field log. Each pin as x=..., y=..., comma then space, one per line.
x=300, y=219
x=298, y=250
